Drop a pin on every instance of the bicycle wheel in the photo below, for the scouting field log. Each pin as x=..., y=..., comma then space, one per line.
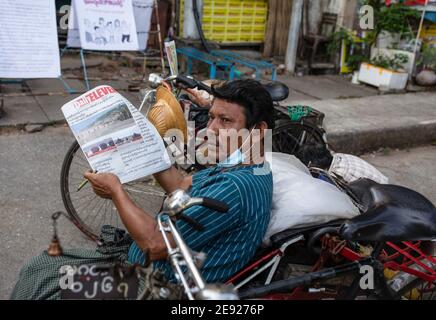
x=289, y=136
x=90, y=212
x=418, y=289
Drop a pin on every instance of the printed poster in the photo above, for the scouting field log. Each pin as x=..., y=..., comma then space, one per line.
x=28, y=39
x=142, y=10
x=106, y=25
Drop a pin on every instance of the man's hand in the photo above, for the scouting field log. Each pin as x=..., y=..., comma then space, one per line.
x=200, y=97
x=105, y=185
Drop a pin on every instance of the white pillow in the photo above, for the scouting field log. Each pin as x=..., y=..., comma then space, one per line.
x=300, y=200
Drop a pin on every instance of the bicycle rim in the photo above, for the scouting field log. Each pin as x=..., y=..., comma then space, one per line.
x=90, y=212
x=289, y=136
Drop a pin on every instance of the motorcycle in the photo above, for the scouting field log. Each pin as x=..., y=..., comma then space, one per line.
x=393, y=242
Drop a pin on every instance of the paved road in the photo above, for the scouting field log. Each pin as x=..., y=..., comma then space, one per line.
x=30, y=166
x=29, y=193
x=414, y=168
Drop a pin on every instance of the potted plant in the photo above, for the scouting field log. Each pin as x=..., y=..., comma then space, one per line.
x=427, y=65
x=385, y=71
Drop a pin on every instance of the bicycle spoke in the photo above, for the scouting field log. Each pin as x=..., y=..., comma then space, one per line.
x=82, y=164
x=112, y=215
x=144, y=191
x=95, y=216
x=84, y=205
x=91, y=210
x=102, y=220
x=86, y=197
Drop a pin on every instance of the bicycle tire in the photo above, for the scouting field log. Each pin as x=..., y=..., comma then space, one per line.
x=71, y=177
x=289, y=136
x=419, y=285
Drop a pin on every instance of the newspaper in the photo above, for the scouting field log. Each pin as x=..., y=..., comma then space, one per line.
x=114, y=136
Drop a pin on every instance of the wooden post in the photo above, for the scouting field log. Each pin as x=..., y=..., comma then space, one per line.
x=268, y=49
x=294, y=30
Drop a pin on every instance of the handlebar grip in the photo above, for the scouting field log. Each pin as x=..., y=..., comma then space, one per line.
x=191, y=83
x=197, y=226
x=215, y=205
x=202, y=86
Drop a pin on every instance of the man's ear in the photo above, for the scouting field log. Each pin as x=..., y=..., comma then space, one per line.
x=262, y=126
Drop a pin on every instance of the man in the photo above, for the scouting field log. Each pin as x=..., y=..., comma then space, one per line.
x=229, y=240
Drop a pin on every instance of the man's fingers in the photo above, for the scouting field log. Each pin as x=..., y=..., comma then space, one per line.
x=89, y=174
x=191, y=91
x=101, y=193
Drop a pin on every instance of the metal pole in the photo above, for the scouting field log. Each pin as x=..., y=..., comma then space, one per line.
x=412, y=65
x=184, y=250
x=294, y=30
x=85, y=73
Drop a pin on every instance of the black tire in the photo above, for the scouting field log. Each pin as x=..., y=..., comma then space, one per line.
x=288, y=136
x=424, y=291
x=81, y=204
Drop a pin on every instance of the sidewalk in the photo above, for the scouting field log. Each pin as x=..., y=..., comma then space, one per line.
x=365, y=124
x=42, y=99
x=357, y=118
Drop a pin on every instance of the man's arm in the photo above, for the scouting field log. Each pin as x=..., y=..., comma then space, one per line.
x=141, y=226
x=171, y=179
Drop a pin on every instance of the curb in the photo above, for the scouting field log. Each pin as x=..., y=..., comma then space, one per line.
x=22, y=126
x=356, y=142
x=359, y=142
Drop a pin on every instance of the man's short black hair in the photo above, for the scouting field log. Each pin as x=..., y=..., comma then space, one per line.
x=316, y=155
x=252, y=96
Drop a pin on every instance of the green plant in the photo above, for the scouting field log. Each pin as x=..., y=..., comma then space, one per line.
x=358, y=49
x=393, y=63
x=427, y=58
x=397, y=18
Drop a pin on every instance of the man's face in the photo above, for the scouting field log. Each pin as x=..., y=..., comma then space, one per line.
x=225, y=119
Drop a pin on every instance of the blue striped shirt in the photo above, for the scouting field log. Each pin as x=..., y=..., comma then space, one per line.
x=229, y=240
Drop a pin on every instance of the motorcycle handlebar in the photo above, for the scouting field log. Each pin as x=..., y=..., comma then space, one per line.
x=215, y=205
x=196, y=225
x=208, y=203
x=189, y=82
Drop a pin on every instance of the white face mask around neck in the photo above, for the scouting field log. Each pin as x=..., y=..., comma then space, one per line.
x=237, y=157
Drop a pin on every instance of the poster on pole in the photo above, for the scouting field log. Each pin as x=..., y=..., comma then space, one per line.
x=29, y=45
x=142, y=10
x=106, y=25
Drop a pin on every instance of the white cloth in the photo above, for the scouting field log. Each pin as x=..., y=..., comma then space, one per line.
x=300, y=200
x=352, y=168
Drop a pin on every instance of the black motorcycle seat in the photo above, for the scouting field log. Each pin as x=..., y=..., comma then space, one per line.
x=278, y=239
x=393, y=213
x=278, y=91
